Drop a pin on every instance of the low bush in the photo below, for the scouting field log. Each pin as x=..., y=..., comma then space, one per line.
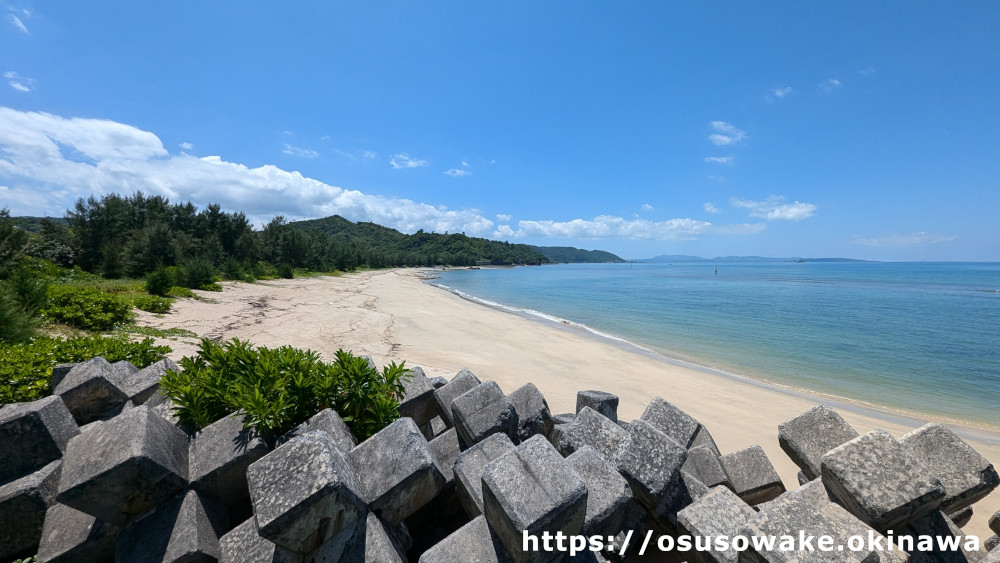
x=26, y=368
x=86, y=307
x=279, y=388
x=152, y=304
x=286, y=271
x=197, y=273
x=159, y=282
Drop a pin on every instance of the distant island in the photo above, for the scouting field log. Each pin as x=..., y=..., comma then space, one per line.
x=685, y=258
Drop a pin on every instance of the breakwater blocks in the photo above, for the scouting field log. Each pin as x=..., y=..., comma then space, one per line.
x=103, y=471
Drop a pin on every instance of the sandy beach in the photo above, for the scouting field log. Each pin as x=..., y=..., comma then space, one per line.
x=392, y=315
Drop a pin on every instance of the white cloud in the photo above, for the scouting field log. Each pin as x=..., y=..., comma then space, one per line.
x=16, y=21
x=725, y=134
x=465, y=164
x=782, y=92
x=186, y=146
x=831, y=85
x=503, y=217
x=297, y=151
x=868, y=71
x=368, y=155
x=719, y=159
x=911, y=239
x=403, y=160
x=773, y=208
x=647, y=207
x=711, y=208
x=18, y=82
x=356, y=155
x=605, y=226
x=457, y=172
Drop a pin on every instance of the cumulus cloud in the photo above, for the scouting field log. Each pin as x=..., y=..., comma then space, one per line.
x=911, y=239
x=725, y=134
x=457, y=172
x=774, y=208
x=782, y=92
x=186, y=146
x=719, y=159
x=403, y=160
x=605, y=226
x=503, y=217
x=647, y=207
x=16, y=22
x=711, y=208
x=298, y=151
x=18, y=82
x=47, y=160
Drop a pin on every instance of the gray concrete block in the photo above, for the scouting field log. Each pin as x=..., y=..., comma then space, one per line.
x=966, y=475
x=463, y=381
x=418, y=398
x=813, y=492
x=33, y=435
x=801, y=478
x=532, y=489
x=990, y=545
x=589, y=429
x=994, y=522
x=475, y=541
x=469, y=471
x=936, y=524
x=671, y=420
x=143, y=384
x=753, y=477
x=218, y=458
x=564, y=418
x=59, y=372
x=23, y=504
x=125, y=466
x=811, y=434
x=533, y=415
x=244, y=545
x=70, y=535
x=91, y=390
x=704, y=464
x=650, y=461
x=703, y=438
x=305, y=492
x=720, y=512
x=446, y=450
x=397, y=470
x=608, y=493
x=326, y=420
x=482, y=411
x=682, y=490
x=602, y=402
x=880, y=482
x=438, y=382
x=186, y=528
x=369, y=540
x=962, y=517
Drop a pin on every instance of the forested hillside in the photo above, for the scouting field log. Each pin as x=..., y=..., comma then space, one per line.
x=570, y=255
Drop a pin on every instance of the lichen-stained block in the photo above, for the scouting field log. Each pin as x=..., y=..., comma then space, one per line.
x=305, y=492
x=608, y=493
x=143, y=384
x=532, y=489
x=398, y=472
x=966, y=475
x=124, y=466
x=814, y=492
x=602, y=402
x=23, y=503
x=244, y=545
x=70, y=535
x=33, y=435
x=91, y=390
x=186, y=528
x=463, y=381
x=704, y=464
x=671, y=420
x=811, y=434
x=533, y=415
x=589, y=429
x=880, y=482
x=469, y=471
x=718, y=513
x=649, y=460
x=418, y=397
x=482, y=411
x=218, y=457
x=475, y=541
x=446, y=451
x=326, y=420
x=752, y=476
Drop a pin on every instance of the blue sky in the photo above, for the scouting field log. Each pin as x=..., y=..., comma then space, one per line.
x=860, y=129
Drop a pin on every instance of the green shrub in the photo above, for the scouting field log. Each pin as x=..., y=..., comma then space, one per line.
x=152, y=304
x=16, y=324
x=198, y=272
x=286, y=271
x=210, y=287
x=279, y=388
x=26, y=368
x=86, y=307
x=159, y=282
x=178, y=291
x=233, y=270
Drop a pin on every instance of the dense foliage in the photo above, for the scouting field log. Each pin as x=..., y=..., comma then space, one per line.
x=26, y=368
x=279, y=388
x=571, y=255
x=86, y=307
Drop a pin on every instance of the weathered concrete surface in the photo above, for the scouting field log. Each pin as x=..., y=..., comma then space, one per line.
x=125, y=466
x=438, y=382
x=814, y=492
x=244, y=545
x=144, y=383
x=418, y=398
x=305, y=492
x=533, y=415
x=589, y=429
x=720, y=512
x=880, y=482
x=808, y=436
x=753, y=477
x=937, y=525
x=397, y=471
x=368, y=540
x=91, y=390
x=966, y=475
x=482, y=411
x=187, y=528
x=704, y=464
x=446, y=451
x=532, y=489
x=994, y=522
x=33, y=435
x=326, y=420
x=70, y=535
x=218, y=457
x=59, y=372
x=601, y=401
x=650, y=461
x=671, y=420
x=463, y=381
x=476, y=541
x=962, y=517
x=608, y=493
x=23, y=503
x=703, y=438
x=469, y=471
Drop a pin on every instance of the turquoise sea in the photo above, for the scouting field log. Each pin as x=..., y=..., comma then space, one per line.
x=918, y=337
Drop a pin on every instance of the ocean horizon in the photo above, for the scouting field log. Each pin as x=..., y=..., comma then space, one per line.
x=915, y=338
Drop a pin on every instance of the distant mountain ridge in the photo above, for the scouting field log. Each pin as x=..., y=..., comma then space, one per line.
x=686, y=258
x=571, y=255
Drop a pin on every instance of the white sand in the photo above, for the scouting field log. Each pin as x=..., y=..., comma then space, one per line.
x=393, y=316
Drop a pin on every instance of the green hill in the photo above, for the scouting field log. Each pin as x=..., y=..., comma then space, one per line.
x=571, y=255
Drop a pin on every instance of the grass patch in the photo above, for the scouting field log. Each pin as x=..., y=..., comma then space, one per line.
x=170, y=333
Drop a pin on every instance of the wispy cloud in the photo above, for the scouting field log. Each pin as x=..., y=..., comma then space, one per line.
x=774, y=208
x=782, y=92
x=647, y=207
x=725, y=134
x=911, y=239
x=868, y=71
x=18, y=82
x=740, y=229
x=719, y=159
x=186, y=146
x=831, y=85
x=356, y=155
x=403, y=160
x=504, y=218
x=457, y=172
x=711, y=208
x=298, y=151
x=16, y=22
x=607, y=226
